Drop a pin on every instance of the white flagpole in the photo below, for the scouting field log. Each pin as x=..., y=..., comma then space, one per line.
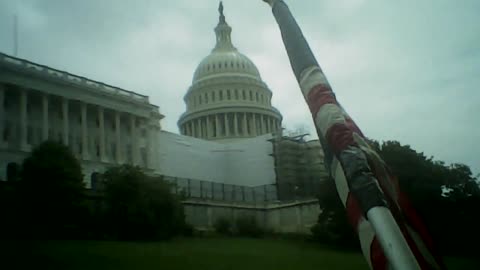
x=391, y=239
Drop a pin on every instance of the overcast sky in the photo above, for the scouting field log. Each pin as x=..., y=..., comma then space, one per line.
x=404, y=70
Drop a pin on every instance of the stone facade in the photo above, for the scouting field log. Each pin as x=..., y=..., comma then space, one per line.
x=103, y=125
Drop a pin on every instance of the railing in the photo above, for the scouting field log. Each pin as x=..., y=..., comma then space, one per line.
x=192, y=188
x=68, y=77
x=207, y=190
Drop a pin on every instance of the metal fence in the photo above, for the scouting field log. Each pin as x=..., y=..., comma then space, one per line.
x=192, y=188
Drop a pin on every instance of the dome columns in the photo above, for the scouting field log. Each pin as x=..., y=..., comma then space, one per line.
x=228, y=125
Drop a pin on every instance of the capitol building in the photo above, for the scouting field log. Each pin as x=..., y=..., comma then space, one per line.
x=230, y=133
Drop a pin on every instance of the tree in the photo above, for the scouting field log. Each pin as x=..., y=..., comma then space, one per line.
x=446, y=197
x=332, y=227
x=139, y=207
x=52, y=190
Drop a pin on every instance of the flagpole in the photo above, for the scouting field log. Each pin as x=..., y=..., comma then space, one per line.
x=344, y=149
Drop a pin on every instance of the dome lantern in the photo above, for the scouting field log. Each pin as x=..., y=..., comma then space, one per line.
x=223, y=32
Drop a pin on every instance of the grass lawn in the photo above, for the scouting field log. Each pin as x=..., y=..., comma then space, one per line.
x=211, y=254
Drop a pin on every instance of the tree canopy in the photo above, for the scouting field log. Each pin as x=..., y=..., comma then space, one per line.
x=139, y=206
x=52, y=189
x=446, y=196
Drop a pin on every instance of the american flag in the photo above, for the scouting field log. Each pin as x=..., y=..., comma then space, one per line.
x=362, y=178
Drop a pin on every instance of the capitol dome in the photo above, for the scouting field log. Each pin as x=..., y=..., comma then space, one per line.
x=220, y=63
x=228, y=99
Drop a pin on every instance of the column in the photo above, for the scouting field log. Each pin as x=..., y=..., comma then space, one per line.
x=227, y=127
x=150, y=147
x=84, y=131
x=192, y=127
x=217, y=126
x=101, y=125
x=200, y=128
x=45, y=128
x=269, y=124
x=65, y=120
x=262, y=124
x=133, y=140
x=244, y=123
x=235, y=124
x=23, y=119
x=2, y=112
x=254, y=123
x=118, y=138
x=209, y=128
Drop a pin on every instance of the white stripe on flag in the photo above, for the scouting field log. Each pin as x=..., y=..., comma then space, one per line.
x=340, y=181
x=311, y=77
x=327, y=116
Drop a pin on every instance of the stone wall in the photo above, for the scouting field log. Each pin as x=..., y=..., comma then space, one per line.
x=282, y=217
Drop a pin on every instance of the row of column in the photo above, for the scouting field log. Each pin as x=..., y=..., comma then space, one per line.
x=84, y=113
x=231, y=125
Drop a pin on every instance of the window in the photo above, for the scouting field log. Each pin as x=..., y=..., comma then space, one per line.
x=236, y=94
x=251, y=96
x=229, y=96
x=213, y=96
x=114, y=150
x=256, y=97
x=221, y=95
x=243, y=94
x=206, y=98
x=143, y=152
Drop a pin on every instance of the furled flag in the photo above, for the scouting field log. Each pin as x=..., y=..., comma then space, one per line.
x=390, y=232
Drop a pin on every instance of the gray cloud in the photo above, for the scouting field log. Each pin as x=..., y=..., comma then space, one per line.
x=406, y=71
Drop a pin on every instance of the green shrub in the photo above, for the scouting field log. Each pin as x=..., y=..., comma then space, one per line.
x=223, y=226
x=139, y=207
x=188, y=230
x=248, y=226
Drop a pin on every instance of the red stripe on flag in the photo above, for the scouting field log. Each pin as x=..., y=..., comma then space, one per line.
x=353, y=126
x=318, y=96
x=339, y=137
x=377, y=257
x=354, y=212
